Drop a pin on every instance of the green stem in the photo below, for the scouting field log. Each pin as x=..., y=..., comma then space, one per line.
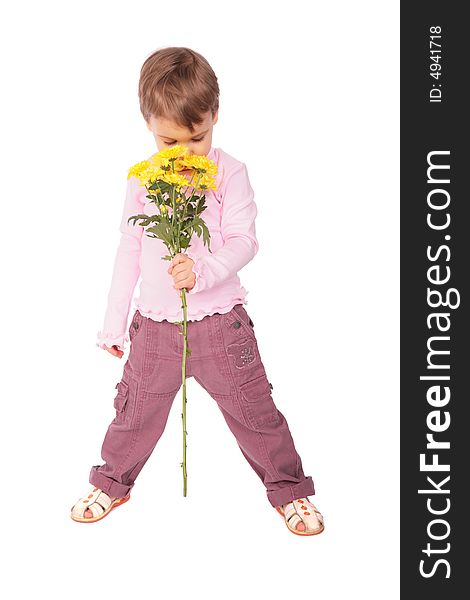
x=188, y=200
x=185, y=347
x=194, y=187
x=183, y=375
x=173, y=204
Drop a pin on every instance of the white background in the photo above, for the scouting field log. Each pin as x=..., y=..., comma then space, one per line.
x=310, y=102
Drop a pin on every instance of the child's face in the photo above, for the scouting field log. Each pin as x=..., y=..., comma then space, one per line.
x=167, y=134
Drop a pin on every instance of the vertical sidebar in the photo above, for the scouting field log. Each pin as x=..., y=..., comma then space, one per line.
x=434, y=300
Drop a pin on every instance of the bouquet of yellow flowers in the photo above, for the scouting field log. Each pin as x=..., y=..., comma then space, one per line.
x=181, y=201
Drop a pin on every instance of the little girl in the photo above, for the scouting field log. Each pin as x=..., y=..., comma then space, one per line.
x=178, y=94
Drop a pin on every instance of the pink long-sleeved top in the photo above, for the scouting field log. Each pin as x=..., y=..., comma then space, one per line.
x=230, y=217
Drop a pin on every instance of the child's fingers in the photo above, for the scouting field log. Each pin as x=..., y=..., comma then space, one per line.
x=117, y=352
x=181, y=272
x=178, y=259
x=185, y=282
x=114, y=350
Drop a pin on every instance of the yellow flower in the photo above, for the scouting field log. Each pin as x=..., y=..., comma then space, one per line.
x=200, y=164
x=205, y=181
x=174, y=152
x=163, y=208
x=180, y=165
x=156, y=160
x=174, y=179
x=146, y=172
x=151, y=174
x=137, y=169
x=160, y=168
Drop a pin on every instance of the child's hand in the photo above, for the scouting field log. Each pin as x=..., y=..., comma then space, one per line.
x=181, y=270
x=114, y=350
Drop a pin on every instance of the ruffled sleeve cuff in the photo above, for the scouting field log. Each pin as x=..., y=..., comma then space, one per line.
x=109, y=340
x=197, y=269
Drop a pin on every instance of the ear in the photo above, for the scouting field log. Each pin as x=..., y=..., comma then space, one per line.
x=215, y=118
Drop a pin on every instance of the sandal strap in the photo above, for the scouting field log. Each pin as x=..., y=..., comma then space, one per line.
x=316, y=511
x=103, y=499
x=313, y=507
x=293, y=516
x=96, y=500
x=96, y=509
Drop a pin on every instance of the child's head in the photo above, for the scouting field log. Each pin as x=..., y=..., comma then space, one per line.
x=179, y=98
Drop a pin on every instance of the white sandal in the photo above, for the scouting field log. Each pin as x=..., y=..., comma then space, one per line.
x=98, y=502
x=302, y=510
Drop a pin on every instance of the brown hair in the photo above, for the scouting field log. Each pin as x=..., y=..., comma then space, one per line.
x=178, y=84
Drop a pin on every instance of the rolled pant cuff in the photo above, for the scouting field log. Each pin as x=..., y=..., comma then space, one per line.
x=111, y=487
x=291, y=492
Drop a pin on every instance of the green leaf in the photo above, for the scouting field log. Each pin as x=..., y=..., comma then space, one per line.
x=206, y=236
x=184, y=242
x=163, y=231
x=145, y=218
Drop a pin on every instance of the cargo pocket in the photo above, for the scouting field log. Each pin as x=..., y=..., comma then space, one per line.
x=244, y=320
x=136, y=325
x=121, y=399
x=258, y=404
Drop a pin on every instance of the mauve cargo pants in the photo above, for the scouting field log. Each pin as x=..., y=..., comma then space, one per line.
x=225, y=361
